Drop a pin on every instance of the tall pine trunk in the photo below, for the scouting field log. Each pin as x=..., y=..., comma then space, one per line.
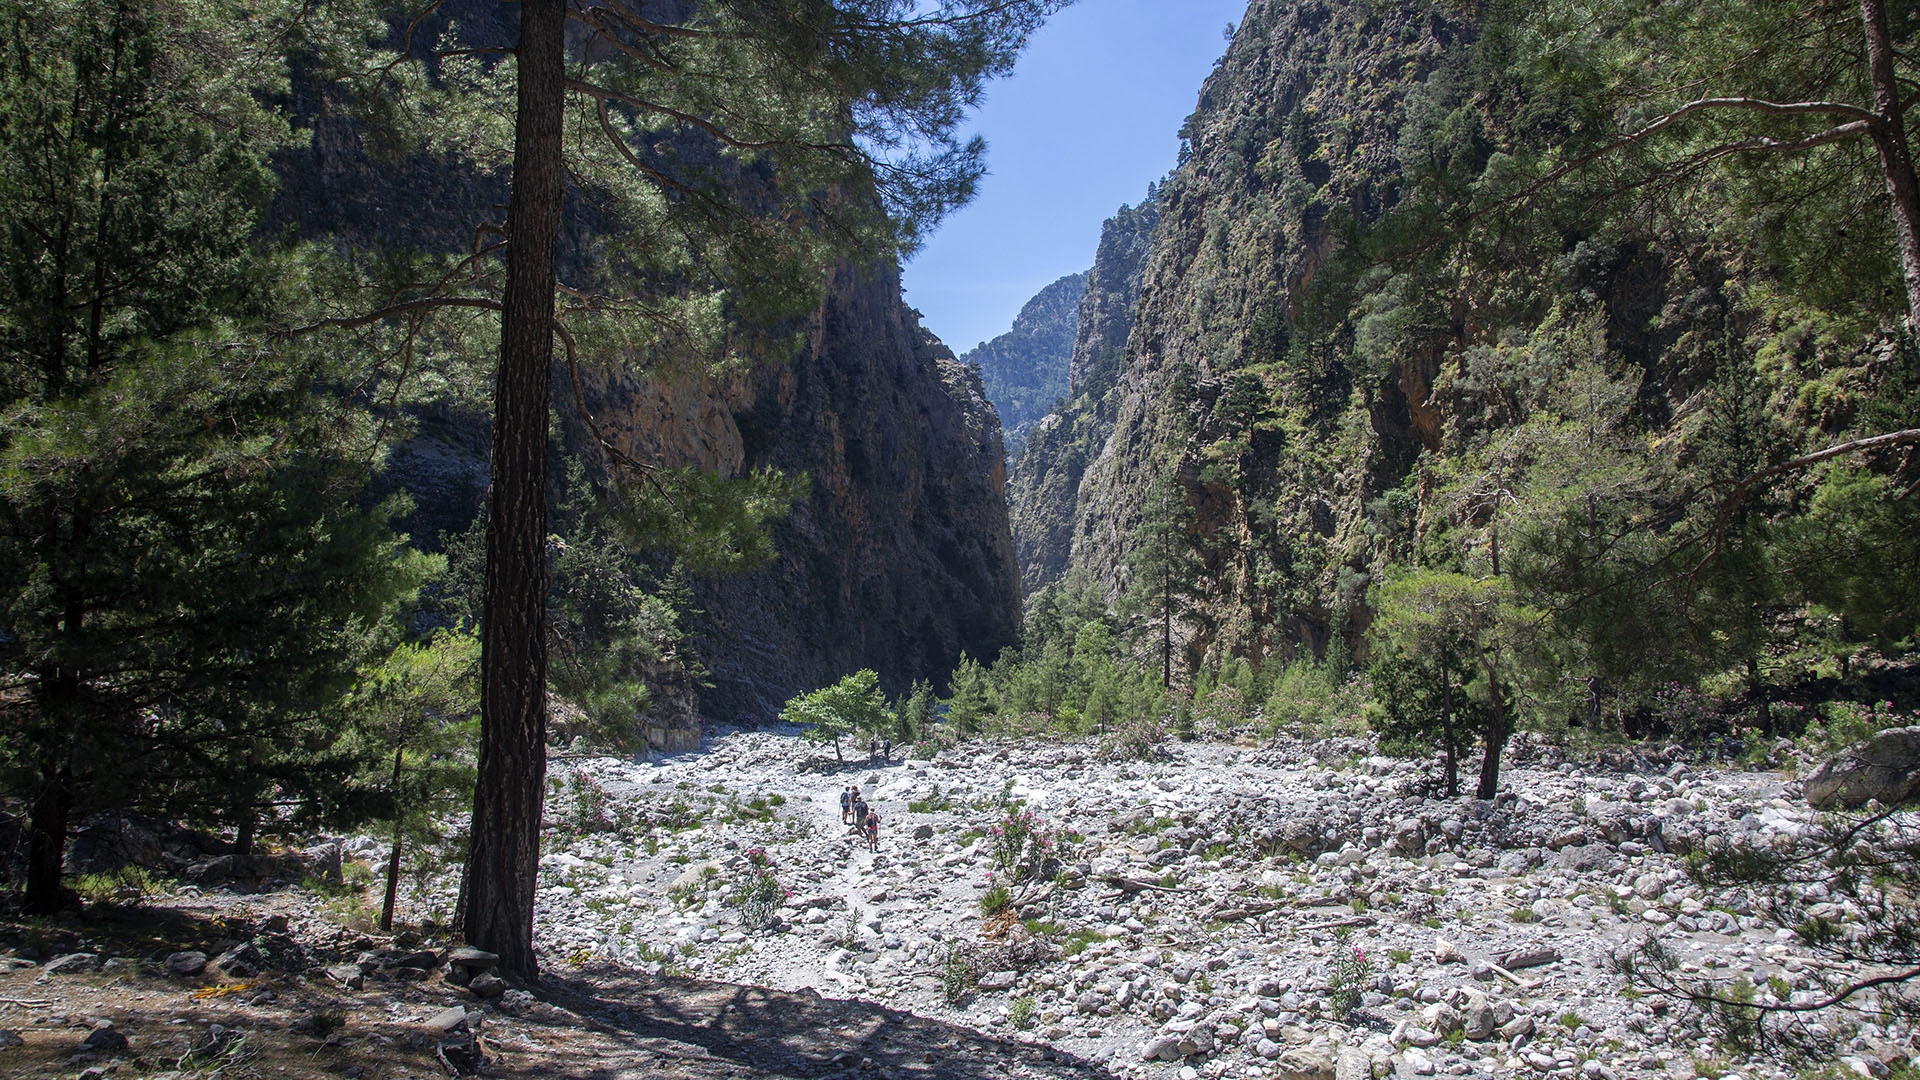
x=393, y=860
x=503, y=859
x=47, y=844
x=1889, y=134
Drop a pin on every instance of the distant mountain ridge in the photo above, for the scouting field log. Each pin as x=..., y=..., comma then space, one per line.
x=1025, y=369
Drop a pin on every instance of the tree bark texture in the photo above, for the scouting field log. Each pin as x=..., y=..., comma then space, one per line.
x=503, y=859
x=393, y=860
x=1896, y=156
x=47, y=845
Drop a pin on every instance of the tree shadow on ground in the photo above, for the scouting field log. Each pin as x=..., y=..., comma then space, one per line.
x=797, y=1034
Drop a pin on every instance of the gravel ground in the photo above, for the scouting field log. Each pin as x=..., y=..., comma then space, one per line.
x=1204, y=902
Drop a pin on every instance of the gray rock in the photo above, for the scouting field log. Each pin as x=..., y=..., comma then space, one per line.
x=1305, y=1063
x=1161, y=1048
x=186, y=964
x=1479, y=1024
x=1585, y=858
x=487, y=985
x=104, y=1041
x=1885, y=767
x=10, y=1039
x=240, y=961
x=1516, y=1027
x=347, y=975
x=72, y=963
x=1090, y=1001
x=447, y=1021
x=1409, y=837
x=472, y=959
x=923, y=832
x=1352, y=1063
x=997, y=980
x=1532, y=956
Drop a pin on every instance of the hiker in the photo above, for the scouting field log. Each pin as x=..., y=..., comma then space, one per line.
x=846, y=804
x=860, y=811
x=886, y=748
x=873, y=748
x=873, y=830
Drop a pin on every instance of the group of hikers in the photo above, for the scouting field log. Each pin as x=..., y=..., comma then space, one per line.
x=864, y=819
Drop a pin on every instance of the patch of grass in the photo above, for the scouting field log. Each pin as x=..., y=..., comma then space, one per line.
x=995, y=900
x=128, y=885
x=1020, y=1012
x=1218, y=850
x=934, y=803
x=1523, y=915
x=1080, y=941
x=1570, y=1020
x=957, y=975
x=1400, y=956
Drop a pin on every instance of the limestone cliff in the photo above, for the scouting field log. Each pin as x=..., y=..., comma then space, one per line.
x=899, y=558
x=1293, y=143
x=1044, y=489
x=1286, y=373
x=1025, y=369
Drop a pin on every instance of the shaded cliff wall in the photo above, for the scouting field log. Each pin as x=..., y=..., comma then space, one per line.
x=899, y=558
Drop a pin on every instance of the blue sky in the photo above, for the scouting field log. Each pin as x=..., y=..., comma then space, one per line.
x=1089, y=117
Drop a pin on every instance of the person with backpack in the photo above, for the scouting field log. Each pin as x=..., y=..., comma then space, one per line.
x=846, y=804
x=873, y=830
x=860, y=812
x=873, y=748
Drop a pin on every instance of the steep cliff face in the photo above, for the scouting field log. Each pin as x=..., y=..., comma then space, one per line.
x=1285, y=375
x=1113, y=288
x=1025, y=369
x=1045, y=486
x=899, y=558
x=1294, y=142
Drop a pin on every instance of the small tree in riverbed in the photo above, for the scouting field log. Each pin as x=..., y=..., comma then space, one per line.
x=854, y=705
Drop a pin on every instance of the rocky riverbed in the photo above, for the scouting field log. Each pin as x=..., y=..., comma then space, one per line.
x=1299, y=910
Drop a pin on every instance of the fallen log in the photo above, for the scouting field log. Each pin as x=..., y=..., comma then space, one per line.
x=1134, y=885
x=1334, y=924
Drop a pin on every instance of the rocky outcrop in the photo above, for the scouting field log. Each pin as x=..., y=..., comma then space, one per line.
x=1295, y=140
x=1886, y=767
x=899, y=556
x=1044, y=490
x=1112, y=290
x=1025, y=369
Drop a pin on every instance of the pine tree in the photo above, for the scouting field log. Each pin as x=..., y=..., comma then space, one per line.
x=1166, y=568
x=185, y=576
x=745, y=145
